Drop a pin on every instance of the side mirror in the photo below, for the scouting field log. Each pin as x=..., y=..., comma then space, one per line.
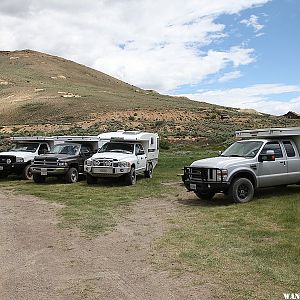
x=85, y=153
x=269, y=156
x=141, y=152
x=220, y=153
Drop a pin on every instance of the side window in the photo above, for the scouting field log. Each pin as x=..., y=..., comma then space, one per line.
x=138, y=148
x=273, y=146
x=152, y=141
x=43, y=149
x=289, y=149
x=85, y=149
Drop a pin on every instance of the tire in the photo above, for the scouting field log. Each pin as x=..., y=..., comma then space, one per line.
x=130, y=178
x=26, y=174
x=71, y=176
x=91, y=179
x=241, y=190
x=205, y=195
x=149, y=172
x=37, y=178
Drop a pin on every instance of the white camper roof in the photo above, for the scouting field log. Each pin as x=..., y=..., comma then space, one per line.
x=76, y=138
x=127, y=135
x=32, y=138
x=269, y=132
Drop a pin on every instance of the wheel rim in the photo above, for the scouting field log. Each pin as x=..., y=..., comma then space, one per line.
x=243, y=191
x=150, y=170
x=133, y=175
x=74, y=176
x=29, y=174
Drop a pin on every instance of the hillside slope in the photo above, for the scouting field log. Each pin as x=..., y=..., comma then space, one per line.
x=38, y=87
x=40, y=94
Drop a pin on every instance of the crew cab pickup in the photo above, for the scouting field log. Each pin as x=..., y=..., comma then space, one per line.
x=18, y=160
x=65, y=159
x=269, y=158
x=124, y=153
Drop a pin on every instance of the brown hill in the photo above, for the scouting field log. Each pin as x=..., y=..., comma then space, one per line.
x=40, y=93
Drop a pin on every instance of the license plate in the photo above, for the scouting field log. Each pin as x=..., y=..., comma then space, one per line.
x=44, y=171
x=193, y=187
x=103, y=170
x=1, y=168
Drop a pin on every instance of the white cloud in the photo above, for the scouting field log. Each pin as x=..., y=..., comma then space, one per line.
x=152, y=44
x=259, y=97
x=229, y=76
x=253, y=22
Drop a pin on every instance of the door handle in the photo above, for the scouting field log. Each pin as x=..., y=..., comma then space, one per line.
x=282, y=162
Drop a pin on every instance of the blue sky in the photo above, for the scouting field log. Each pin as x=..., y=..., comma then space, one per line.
x=238, y=53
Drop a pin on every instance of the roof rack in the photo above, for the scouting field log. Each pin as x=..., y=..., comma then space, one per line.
x=269, y=132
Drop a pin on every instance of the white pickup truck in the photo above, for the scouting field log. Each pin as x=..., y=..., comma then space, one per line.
x=271, y=157
x=124, y=153
x=19, y=159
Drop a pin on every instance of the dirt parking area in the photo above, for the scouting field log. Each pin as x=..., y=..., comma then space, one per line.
x=40, y=260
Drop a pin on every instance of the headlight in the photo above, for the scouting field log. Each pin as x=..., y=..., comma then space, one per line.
x=123, y=164
x=223, y=173
x=18, y=160
x=88, y=162
x=62, y=164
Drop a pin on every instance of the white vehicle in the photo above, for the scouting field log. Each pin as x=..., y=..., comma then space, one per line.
x=19, y=159
x=124, y=153
x=266, y=158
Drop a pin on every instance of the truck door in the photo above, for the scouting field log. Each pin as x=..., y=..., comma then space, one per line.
x=271, y=173
x=141, y=157
x=293, y=161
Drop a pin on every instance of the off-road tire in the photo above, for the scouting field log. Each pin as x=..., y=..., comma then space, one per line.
x=205, y=195
x=130, y=178
x=91, y=179
x=26, y=174
x=71, y=176
x=37, y=178
x=241, y=190
x=149, y=172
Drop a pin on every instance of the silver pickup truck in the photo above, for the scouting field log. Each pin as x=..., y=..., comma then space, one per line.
x=269, y=158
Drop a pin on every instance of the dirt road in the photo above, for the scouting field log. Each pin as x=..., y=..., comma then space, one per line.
x=39, y=260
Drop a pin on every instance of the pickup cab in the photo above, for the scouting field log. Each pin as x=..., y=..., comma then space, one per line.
x=270, y=158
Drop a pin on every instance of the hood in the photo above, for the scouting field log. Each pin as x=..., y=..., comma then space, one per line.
x=55, y=156
x=22, y=154
x=220, y=162
x=112, y=155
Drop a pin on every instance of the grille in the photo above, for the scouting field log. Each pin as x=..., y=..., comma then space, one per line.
x=103, y=162
x=4, y=158
x=203, y=174
x=45, y=162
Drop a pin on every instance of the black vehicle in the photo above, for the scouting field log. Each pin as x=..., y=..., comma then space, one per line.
x=64, y=160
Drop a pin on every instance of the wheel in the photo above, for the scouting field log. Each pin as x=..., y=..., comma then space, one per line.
x=26, y=174
x=241, y=190
x=91, y=179
x=71, y=176
x=130, y=178
x=205, y=195
x=149, y=172
x=37, y=178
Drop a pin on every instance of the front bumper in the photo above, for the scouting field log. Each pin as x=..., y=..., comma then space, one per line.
x=98, y=171
x=49, y=171
x=204, y=179
x=13, y=168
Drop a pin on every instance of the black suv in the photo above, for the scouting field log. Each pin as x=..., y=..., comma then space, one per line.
x=64, y=160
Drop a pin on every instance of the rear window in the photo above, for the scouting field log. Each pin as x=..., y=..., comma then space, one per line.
x=289, y=149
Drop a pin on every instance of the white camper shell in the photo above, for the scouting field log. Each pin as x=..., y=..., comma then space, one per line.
x=124, y=153
x=19, y=159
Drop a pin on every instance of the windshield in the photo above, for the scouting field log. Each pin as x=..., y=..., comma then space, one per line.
x=243, y=149
x=117, y=147
x=69, y=149
x=25, y=147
